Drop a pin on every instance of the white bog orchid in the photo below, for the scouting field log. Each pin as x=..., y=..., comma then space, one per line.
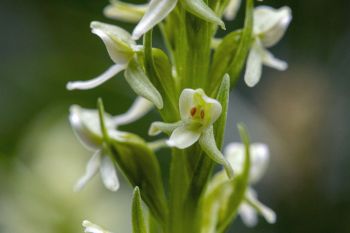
x=198, y=112
x=269, y=26
x=90, y=227
x=86, y=126
x=120, y=47
x=259, y=153
x=127, y=12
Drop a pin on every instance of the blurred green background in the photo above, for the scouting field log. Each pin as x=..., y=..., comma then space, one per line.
x=302, y=114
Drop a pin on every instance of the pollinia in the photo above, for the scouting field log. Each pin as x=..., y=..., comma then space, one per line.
x=189, y=85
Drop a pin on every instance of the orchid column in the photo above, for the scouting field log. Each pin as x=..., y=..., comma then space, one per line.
x=189, y=85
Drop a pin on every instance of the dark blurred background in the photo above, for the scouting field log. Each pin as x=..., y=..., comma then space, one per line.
x=302, y=114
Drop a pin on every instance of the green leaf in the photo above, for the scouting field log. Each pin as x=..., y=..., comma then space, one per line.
x=244, y=44
x=203, y=11
x=139, y=82
x=208, y=145
x=158, y=69
x=140, y=166
x=223, y=98
x=138, y=222
x=239, y=186
x=223, y=59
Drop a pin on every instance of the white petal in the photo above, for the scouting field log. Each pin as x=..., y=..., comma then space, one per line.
x=118, y=41
x=110, y=73
x=259, y=161
x=234, y=153
x=232, y=9
x=109, y=173
x=254, y=66
x=270, y=24
x=139, y=108
x=86, y=126
x=248, y=215
x=183, y=137
x=158, y=127
x=273, y=62
x=213, y=109
x=266, y=212
x=92, y=228
x=157, y=11
x=127, y=12
x=91, y=169
x=186, y=103
x=259, y=154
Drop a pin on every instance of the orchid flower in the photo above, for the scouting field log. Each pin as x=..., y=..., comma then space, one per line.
x=235, y=154
x=198, y=112
x=160, y=9
x=93, y=228
x=86, y=125
x=127, y=12
x=269, y=26
x=120, y=47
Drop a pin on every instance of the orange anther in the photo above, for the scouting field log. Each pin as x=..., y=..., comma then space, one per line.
x=193, y=111
x=202, y=114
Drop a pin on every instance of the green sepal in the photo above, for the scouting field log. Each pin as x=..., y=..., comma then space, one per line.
x=158, y=69
x=223, y=98
x=239, y=186
x=223, y=59
x=140, y=166
x=208, y=145
x=244, y=44
x=139, y=82
x=138, y=222
x=202, y=11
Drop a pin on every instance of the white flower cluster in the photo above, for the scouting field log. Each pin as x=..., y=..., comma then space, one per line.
x=198, y=111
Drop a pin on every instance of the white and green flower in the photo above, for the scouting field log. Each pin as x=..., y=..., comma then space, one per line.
x=198, y=112
x=269, y=26
x=90, y=227
x=121, y=48
x=251, y=206
x=86, y=126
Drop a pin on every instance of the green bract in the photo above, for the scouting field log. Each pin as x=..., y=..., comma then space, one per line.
x=189, y=84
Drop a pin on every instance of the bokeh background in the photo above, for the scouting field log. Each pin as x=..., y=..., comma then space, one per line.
x=302, y=114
